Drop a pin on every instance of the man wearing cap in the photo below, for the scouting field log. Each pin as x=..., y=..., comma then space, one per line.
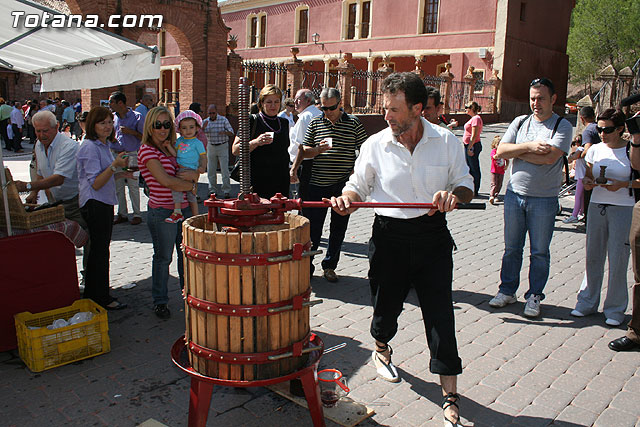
x=129, y=126
x=536, y=143
x=218, y=130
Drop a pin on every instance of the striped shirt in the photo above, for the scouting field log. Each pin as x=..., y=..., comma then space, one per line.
x=159, y=195
x=335, y=165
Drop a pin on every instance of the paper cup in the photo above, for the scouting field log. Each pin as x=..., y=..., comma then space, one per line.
x=271, y=134
x=329, y=142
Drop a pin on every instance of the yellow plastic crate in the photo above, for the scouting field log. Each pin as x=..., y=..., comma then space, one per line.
x=44, y=348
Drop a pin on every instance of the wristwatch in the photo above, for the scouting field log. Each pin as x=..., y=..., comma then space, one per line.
x=28, y=186
x=113, y=169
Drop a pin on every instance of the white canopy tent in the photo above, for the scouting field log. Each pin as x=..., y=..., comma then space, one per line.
x=68, y=58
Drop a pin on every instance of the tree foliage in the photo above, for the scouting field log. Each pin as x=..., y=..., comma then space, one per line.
x=602, y=33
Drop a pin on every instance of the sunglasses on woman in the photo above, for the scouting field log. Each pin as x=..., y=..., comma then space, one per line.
x=159, y=125
x=607, y=130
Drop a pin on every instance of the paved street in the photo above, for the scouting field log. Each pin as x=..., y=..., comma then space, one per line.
x=554, y=370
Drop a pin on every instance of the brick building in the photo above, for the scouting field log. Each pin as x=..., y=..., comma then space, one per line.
x=517, y=39
x=192, y=42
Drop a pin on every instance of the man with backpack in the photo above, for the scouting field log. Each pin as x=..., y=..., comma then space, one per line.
x=537, y=144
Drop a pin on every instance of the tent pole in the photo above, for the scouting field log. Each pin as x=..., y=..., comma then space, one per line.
x=5, y=199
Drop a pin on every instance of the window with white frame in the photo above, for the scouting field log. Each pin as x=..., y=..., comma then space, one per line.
x=257, y=30
x=428, y=16
x=302, y=24
x=356, y=19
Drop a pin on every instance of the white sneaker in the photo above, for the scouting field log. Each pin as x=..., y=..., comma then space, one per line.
x=532, y=307
x=570, y=220
x=612, y=322
x=386, y=371
x=577, y=313
x=501, y=300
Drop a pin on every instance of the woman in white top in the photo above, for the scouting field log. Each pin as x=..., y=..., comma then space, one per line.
x=288, y=112
x=609, y=222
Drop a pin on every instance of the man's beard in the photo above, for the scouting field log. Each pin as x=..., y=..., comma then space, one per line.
x=405, y=126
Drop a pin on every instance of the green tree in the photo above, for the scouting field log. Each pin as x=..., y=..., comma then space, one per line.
x=602, y=33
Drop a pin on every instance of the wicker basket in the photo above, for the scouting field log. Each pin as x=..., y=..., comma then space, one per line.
x=19, y=217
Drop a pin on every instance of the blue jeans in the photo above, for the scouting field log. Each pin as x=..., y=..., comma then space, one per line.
x=535, y=215
x=164, y=236
x=474, y=165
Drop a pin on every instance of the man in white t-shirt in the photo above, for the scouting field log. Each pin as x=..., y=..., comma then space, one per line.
x=536, y=143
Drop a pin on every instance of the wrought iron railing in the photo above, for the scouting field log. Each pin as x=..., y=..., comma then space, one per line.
x=366, y=97
x=259, y=74
x=317, y=80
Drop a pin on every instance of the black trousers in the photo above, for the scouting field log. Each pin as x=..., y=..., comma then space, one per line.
x=3, y=133
x=17, y=138
x=337, y=227
x=405, y=253
x=99, y=218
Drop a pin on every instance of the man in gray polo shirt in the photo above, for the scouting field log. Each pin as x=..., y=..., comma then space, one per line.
x=536, y=143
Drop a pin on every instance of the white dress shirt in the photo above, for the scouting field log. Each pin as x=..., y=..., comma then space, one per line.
x=296, y=133
x=387, y=172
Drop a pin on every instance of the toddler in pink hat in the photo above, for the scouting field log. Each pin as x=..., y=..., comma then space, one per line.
x=190, y=155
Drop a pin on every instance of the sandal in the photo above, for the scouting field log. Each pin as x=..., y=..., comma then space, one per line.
x=115, y=305
x=386, y=371
x=448, y=400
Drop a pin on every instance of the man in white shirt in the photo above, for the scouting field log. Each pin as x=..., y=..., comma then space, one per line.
x=57, y=172
x=411, y=161
x=17, y=123
x=305, y=102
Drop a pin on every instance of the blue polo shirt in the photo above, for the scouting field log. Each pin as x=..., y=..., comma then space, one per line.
x=126, y=142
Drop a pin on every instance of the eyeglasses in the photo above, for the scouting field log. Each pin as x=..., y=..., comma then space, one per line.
x=159, y=125
x=544, y=82
x=468, y=107
x=607, y=130
x=332, y=108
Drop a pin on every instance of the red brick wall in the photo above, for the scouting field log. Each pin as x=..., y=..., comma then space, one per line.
x=199, y=33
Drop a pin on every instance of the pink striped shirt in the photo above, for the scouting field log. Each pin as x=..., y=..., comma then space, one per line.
x=159, y=195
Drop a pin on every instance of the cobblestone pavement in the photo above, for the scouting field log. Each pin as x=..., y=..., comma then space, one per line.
x=554, y=370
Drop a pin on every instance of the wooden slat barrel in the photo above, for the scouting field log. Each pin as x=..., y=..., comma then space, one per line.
x=225, y=333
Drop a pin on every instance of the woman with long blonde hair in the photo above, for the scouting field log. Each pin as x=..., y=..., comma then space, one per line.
x=160, y=171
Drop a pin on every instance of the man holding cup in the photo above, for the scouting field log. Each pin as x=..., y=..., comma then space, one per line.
x=332, y=140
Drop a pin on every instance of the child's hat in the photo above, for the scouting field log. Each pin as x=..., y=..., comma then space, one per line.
x=188, y=114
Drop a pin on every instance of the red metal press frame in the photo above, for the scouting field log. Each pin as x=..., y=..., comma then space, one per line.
x=202, y=385
x=252, y=210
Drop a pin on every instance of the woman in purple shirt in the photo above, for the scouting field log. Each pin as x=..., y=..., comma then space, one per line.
x=97, y=197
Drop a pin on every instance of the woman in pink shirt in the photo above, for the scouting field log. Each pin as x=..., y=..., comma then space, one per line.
x=159, y=169
x=472, y=145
